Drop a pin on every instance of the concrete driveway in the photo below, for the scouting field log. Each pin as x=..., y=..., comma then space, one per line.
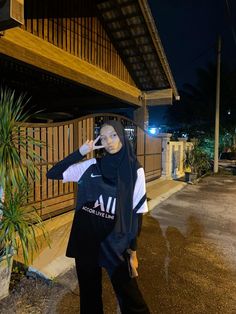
x=198, y=241
x=187, y=253
x=187, y=259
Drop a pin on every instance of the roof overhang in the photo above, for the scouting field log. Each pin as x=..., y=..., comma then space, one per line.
x=25, y=47
x=159, y=97
x=132, y=29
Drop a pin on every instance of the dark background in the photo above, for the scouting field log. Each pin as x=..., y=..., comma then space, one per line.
x=189, y=30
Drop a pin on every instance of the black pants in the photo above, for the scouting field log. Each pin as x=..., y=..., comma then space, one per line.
x=90, y=282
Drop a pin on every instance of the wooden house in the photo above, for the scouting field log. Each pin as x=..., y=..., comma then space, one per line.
x=81, y=57
x=87, y=56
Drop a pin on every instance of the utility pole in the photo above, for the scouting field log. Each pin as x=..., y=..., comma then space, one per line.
x=217, y=113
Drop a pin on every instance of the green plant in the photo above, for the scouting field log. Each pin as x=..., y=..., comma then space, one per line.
x=18, y=221
x=196, y=161
x=13, y=114
x=227, y=141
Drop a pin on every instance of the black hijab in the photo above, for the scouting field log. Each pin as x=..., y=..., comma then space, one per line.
x=121, y=169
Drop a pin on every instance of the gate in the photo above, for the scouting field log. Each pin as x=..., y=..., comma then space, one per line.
x=52, y=197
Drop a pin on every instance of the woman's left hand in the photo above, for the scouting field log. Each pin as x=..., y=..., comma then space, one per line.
x=89, y=146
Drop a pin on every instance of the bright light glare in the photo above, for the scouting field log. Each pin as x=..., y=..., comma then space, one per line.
x=153, y=130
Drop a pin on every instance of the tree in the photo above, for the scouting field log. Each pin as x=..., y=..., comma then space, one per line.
x=195, y=113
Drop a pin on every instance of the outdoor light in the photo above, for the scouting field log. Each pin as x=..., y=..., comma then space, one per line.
x=153, y=131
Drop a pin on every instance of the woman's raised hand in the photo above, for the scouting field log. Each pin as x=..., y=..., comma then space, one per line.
x=89, y=146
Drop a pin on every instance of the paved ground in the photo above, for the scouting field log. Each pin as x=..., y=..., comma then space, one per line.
x=198, y=226
x=187, y=254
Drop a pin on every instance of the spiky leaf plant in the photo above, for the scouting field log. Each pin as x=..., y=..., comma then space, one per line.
x=20, y=224
x=13, y=138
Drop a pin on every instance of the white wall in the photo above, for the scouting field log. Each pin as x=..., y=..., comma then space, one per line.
x=173, y=153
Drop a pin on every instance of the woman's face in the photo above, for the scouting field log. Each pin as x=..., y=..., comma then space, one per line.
x=110, y=139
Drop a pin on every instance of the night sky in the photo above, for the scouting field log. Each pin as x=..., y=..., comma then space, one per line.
x=189, y=30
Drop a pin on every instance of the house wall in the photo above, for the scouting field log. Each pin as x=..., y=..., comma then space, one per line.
x=74, y=27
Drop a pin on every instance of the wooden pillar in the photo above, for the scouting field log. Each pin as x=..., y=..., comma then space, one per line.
x=141, y=115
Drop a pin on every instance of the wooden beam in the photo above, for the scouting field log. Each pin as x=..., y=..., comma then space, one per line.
x=24, y=46
x=159, y=97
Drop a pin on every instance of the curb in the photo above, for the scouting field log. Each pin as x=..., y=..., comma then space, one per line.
x=158, y=200
x=57, y=267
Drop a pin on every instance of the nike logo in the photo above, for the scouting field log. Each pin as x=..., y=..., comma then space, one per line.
x=95, y=175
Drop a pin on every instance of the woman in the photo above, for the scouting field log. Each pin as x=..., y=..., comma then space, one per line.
x=110, y=202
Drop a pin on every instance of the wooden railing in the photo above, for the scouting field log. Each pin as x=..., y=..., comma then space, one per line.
x=52, y=197
x=74, y=27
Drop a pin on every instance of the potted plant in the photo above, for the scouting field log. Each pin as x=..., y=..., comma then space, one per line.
x=19, y=226
x=196, y=163
x=17, y=222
